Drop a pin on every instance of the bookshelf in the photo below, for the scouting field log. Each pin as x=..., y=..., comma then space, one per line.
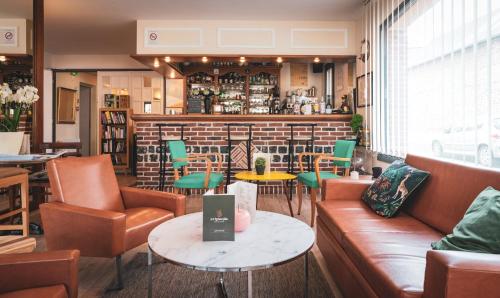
x=115, y=131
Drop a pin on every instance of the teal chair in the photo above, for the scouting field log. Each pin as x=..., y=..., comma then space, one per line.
x=199, y=180
x=341, y=158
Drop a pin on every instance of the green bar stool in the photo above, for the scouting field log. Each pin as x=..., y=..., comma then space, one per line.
x=341, y=158
x=209, y=179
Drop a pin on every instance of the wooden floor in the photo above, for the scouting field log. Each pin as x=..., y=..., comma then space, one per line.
x=97, y=273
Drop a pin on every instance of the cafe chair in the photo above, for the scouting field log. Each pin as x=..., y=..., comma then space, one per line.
x=341, y=159
x=39, y=274
x=88, y=211
x=198, y=180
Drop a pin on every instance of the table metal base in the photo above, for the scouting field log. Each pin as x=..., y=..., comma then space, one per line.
x=221, y=284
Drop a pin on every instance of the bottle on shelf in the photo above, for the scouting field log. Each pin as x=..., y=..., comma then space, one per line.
x=322, y=105
x=328, y=109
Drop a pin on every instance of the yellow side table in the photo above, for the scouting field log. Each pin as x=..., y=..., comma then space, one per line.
x=271, y=176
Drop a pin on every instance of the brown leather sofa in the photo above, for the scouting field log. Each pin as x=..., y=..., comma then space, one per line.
x=372, y=256
x=90, y=212
x=42, y=274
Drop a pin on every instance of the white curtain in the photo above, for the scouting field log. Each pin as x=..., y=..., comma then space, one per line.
x=436, y=78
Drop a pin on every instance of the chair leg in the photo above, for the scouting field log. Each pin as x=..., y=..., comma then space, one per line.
x=119, y=277
x=299, y=195
x=313, y=205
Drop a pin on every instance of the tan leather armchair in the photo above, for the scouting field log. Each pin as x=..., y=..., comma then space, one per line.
x=41, y=274
x=90, y=212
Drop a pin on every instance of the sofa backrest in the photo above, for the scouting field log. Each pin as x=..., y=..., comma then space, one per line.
x=442, y=200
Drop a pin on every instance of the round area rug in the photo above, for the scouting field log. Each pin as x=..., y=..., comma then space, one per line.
x=174, y=281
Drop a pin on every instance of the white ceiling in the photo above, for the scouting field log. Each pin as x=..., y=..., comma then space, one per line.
x=108, y=26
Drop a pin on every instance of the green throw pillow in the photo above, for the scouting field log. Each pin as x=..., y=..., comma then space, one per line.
x=388, y=193
x=479, y=230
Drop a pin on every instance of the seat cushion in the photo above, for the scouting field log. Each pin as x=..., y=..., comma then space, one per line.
x=58, y=291
x=390, y=253
x=309, y=178
x=197, y=180
x=140, y=222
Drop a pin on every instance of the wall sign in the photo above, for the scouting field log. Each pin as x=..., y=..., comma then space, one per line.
x=298, y=74
x=8, y=36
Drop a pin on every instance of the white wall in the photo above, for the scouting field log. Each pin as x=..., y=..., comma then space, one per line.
x=71, y=132
x=231, y=37
x=91, y=62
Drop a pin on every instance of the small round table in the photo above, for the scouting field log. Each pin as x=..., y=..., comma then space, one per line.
x=271, y=176
x=272, y=239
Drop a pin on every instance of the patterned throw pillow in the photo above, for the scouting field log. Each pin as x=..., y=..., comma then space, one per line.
x=388, y=193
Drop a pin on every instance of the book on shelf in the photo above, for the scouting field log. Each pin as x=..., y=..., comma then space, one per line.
x=109, y=117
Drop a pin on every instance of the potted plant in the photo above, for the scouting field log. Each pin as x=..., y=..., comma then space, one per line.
x=357, y=126
x=260, y=165
x=12, y=106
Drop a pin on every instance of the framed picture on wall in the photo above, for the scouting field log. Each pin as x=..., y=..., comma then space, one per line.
x=66, y=106
x=364, y=82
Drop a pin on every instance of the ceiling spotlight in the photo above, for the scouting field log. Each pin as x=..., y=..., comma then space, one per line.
x=316, y=60
x=172, y=74
x=279, y=59
x=167, y=59
x=3, y=58
x=204, y=59
x=242, y=59
x=156, y=63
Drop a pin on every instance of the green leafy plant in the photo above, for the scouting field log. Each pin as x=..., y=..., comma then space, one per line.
x=260, y=165
x=357, y=123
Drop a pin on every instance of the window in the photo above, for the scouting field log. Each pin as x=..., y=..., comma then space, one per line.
x=438, y=78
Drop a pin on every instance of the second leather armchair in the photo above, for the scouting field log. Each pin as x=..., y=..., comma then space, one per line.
x=91, y=213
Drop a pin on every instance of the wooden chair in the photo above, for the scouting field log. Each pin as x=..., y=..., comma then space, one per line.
x=199, y=180
x=341, y=158
x=10, y=177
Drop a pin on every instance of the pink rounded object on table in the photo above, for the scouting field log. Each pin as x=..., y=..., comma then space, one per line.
x=241, y=220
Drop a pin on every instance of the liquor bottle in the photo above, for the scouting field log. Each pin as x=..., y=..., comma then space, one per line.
x=322, y=106
x=328, y=109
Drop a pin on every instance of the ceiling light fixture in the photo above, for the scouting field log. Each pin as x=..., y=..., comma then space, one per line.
x=204, y=59
x=279, y=60
x=3, y=58
x=316, y=60
x=167, y=59
x=156, y=63
x=242, y=59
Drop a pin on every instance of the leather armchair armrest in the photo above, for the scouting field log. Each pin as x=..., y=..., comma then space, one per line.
x=136, y=197
x=344, y=189
x=96, y=233
x=461, y=274
x=33, y=270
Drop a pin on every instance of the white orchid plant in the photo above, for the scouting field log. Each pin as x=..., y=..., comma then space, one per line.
x=13, y=105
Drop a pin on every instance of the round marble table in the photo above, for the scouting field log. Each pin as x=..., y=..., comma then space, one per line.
x=271, y=240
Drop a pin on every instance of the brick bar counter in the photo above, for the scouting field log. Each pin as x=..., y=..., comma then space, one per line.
x=207, y=133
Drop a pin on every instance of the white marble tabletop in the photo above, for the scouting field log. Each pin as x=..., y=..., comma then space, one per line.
x=271, y=240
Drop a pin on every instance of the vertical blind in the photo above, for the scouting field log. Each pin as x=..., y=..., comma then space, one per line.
x=436, y=78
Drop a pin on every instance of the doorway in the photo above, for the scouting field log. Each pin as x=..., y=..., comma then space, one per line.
x=85, y=116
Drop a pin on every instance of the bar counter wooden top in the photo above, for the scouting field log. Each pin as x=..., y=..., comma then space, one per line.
x=241, y=118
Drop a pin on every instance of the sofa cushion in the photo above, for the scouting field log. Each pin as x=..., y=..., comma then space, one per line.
x=343, y=216
x=388, y=193
x=58, y=291
x=139, y=223
x=390, y=252
x=392, y=262
x=479, y=230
